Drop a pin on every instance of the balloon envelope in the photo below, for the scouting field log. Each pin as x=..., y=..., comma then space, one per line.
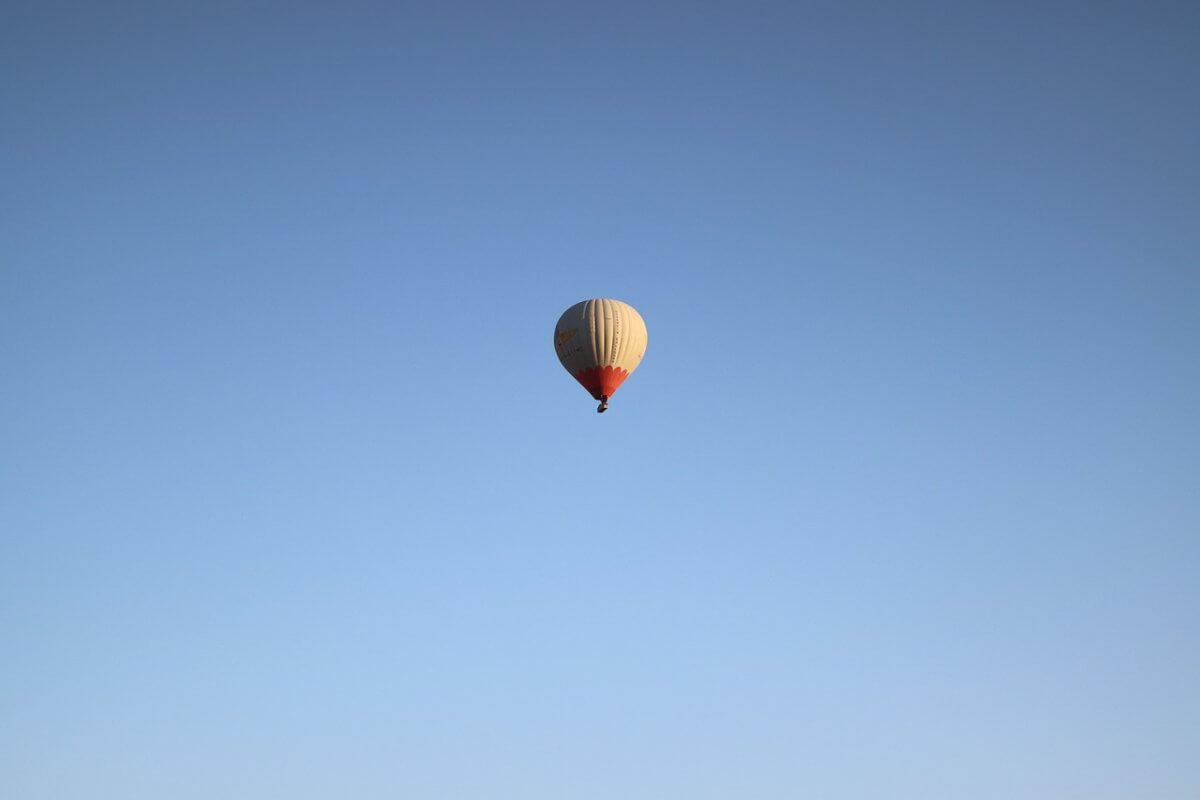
x=600, y=342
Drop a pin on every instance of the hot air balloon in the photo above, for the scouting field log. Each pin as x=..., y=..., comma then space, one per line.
x=600, y=342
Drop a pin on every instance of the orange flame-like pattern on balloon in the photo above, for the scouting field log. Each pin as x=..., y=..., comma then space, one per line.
x=601, y=381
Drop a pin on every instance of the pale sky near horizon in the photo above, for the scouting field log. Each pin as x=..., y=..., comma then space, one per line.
x=296, y=501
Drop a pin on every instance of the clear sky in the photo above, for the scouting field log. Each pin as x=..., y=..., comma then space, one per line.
x=296, y=501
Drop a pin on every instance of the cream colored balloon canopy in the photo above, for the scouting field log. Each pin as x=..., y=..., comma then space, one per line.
x=600, y=342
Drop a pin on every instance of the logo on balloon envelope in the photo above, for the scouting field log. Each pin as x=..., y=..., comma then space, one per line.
x=561, y=340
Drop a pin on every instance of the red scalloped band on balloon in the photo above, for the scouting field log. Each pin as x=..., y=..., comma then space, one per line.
x=601, y=381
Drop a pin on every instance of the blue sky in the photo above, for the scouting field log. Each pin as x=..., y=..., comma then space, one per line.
x=296, y=501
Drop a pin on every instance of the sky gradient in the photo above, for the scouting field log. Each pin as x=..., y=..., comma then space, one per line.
x=297, y=502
